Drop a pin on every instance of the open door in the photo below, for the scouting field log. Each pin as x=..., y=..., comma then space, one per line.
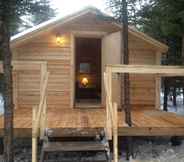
x=111, y=54
x=88, y=72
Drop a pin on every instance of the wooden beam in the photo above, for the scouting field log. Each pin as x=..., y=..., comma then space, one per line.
x=148, y=69
x=89, y=34
x=43, y=72
x=43, y=119
x=115, y=131
x=157, y=82
x=72, y=74
x=34, y=139
x=24, y=65
x=36, y=127
x=108, y=122
x=15, y=90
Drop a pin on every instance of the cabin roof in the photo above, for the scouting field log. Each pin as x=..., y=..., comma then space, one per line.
x=50, y=24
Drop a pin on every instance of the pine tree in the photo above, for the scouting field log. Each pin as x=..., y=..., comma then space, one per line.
x=11, y=12
x=132, y=6
x=161, y=19
x=27, y=13
x=164, y=20
x=40, y=11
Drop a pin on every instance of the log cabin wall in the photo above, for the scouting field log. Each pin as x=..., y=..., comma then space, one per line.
x=142, y=86
x=45, y=48
x=59, y=59
x=60, y=65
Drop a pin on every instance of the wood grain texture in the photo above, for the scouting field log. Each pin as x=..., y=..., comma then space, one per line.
x=60, y=61
x=142, y=87
x=158, y=83
x=77, y=122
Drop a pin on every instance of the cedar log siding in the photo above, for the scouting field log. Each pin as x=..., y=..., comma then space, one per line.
x=142, y=87
x=59, y=62
x=45, y=48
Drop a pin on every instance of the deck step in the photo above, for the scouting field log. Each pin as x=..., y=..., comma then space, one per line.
x=74, y=146
x=96, y=144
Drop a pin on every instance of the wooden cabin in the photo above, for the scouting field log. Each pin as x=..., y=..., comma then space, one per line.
x=75, y=50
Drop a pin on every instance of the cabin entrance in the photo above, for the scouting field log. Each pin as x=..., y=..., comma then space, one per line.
x=87, y=72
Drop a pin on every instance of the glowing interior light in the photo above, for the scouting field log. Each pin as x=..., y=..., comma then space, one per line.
x=85, y=81
x=60, y=39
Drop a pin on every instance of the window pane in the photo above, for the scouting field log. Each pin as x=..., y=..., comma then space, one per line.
x=84, y=68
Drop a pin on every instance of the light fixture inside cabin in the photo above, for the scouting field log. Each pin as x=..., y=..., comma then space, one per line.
x=84, y=81
x=60, y=39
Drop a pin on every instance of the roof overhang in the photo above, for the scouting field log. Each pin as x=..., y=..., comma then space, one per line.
x=59, y=21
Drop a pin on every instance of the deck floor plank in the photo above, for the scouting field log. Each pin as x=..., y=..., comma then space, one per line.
x=145, y=122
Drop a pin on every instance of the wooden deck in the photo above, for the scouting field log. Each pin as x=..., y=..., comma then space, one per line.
x=86, y=122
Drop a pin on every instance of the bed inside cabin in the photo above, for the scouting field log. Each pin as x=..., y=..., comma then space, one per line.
x=87, y=72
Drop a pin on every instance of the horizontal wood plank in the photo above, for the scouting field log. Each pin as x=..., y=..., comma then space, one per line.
x=147, y=69
x=82, y=122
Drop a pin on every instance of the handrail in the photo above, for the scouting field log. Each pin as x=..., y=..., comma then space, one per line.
x=41, y=107
x=39, y=115
x=161, y=70
x=109, y=112
x=111, y=117
x=111, y=109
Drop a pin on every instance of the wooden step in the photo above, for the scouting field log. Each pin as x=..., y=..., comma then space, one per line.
x=74, y=146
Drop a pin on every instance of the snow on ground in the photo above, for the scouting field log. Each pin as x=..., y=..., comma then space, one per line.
x=159, y=150
x=179, y=109
x=1, y=105
x=152, y=150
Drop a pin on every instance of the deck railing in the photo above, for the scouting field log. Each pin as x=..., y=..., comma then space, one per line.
x=39, y=116
x=111, y=116
x=111, y=108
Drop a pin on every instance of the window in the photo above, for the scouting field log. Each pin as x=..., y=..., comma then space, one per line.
x=84, y=68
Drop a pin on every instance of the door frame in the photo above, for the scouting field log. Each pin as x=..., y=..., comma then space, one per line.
x=82, y=34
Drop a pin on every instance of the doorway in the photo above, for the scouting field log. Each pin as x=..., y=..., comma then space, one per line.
x=87, y=72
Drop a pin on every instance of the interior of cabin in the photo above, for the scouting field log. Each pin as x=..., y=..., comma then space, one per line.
x=87, y=72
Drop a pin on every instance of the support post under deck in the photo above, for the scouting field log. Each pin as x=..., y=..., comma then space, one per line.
x=125, y=60
x=166, y=90
x=126, y=85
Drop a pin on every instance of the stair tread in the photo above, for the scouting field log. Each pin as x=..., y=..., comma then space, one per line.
x=74, y=146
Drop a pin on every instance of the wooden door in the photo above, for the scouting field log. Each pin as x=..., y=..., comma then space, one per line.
x=111, y=50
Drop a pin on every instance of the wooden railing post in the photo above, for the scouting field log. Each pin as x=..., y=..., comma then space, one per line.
x=39, y=118
x=108, y=118
x=34, y=138
x=41, y=104
x=111, y=114
x=43, y=119
x=115, y=131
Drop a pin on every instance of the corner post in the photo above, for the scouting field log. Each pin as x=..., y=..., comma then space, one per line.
x=125, y=60
x=34, y=138
x=157, y=82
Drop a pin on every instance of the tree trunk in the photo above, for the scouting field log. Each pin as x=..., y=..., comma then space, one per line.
x=174, y=97
x=183, y=94
x=125, y=60
x=182, y=52
x=166, y=90
x=8, y=92
x=182, y=57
